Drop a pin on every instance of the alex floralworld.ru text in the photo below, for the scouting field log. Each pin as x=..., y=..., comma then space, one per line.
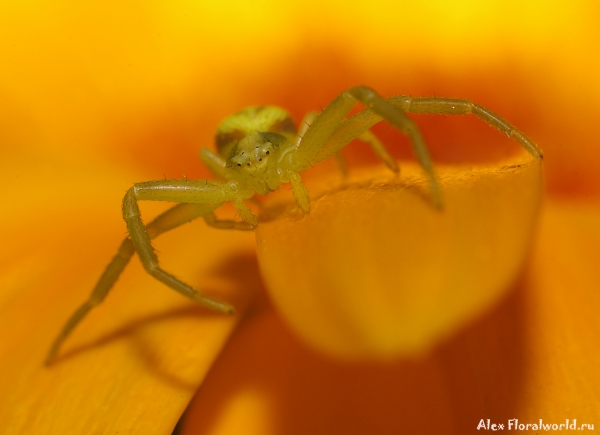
x=513, y=424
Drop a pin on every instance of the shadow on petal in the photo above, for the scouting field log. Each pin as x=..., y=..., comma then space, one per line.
x=268, y=382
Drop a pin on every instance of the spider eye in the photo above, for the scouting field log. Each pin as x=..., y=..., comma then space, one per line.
x=267, y=152
x=260, y=159
x=248, y=164
x=239, y=165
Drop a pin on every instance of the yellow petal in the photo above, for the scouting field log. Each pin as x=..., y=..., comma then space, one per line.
x=533, y=356
x=561, y=325
x=374, y=271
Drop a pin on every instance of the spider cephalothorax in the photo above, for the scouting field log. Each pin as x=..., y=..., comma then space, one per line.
x=258, y=149
x=256, y=159
x=254, y=142
x=255, y=119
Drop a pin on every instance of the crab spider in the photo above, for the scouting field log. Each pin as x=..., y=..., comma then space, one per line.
x=259, y=149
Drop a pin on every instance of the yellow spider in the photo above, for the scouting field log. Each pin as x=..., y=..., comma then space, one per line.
x=259, y=149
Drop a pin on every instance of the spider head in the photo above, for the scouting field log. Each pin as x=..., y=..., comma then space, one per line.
x=267, y=119
x=251, y=155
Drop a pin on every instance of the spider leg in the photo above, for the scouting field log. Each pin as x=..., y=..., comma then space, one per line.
x=203, y=192
x=311, y=149
x=214, y=162
x=222, y=224
x=217, y=166
x=300, y=192
x=366, y=136
x=358, y=124
x=306, y=122
x=377, y=147
x=170, y=219
x=455, y=106
x=339, y=157
x=340, y=162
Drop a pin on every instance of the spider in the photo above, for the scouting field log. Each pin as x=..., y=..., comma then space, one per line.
x=259, y=149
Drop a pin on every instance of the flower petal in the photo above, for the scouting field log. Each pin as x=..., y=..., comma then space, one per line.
x=374, y=271
x=533, y=356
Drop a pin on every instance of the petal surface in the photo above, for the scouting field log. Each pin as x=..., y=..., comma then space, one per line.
x=532, y=356
x=375, y=271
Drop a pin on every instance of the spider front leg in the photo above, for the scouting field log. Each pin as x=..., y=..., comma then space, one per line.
x=170, y=219
x=316, y=146
x=214, y=162
x=201, y=192
x=216, y=165
x=201, y=203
